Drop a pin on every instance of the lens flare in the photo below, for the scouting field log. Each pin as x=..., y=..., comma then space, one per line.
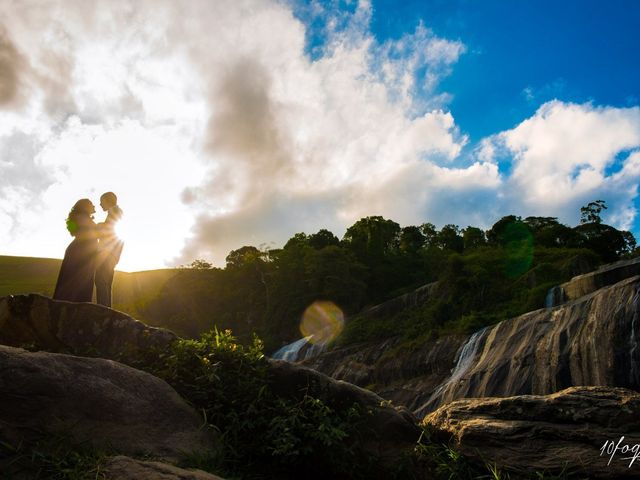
x=322, y=322
x=519, y=249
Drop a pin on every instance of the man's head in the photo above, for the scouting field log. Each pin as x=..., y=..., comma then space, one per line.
x=108, y=200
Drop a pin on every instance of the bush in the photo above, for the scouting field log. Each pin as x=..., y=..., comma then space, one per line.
x=261, y=432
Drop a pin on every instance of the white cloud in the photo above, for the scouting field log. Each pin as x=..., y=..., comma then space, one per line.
x=562, y=156
x=217, y=129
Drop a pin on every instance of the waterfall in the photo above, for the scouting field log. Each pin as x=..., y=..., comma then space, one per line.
x=290, y=352
x=300, y=350
x=634, y=374
x=555, y=296
x=465, y=359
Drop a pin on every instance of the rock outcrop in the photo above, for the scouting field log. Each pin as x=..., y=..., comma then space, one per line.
x=126, y=468
x=95, y=402
x=391, y=432
x=602, y=277
x=576, y=431
x=88, y=329
x=406, y=376
x=591, y=341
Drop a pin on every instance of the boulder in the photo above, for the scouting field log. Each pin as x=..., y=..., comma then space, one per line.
x=38, y=322
x=589, y=431
x=126, y=468
x=392, y=432
x=95, y=402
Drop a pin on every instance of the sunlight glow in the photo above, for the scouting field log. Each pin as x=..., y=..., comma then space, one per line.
x=322, y=322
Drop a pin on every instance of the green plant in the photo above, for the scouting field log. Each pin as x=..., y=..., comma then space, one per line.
x=258, y=429
x=53, y=458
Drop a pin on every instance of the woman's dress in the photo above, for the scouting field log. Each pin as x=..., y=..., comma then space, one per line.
x=75, y=280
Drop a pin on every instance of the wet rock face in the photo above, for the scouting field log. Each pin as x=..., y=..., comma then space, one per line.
x=405, y=376
x=76, y=328
x=571, y=430
x=592, y=341
x=96, y=402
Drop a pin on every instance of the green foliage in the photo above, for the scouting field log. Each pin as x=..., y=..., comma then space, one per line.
x=590, y=213
x=261, y=431
x=50, y=459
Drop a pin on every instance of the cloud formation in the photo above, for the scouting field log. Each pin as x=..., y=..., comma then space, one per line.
x=566, y=155
x=221, y=124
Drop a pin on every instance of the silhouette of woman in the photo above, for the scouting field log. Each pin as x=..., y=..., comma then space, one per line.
x=75, y=280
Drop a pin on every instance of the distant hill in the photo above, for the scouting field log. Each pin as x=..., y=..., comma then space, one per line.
x=131, y=291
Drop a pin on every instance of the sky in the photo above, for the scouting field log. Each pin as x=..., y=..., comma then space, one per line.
x=227, y=123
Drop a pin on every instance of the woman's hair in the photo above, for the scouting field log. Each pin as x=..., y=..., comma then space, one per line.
x=81, y=207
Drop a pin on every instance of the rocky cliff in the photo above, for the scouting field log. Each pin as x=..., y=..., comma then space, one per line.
x=590, y=339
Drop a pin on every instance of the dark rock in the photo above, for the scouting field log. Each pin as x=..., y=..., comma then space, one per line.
x=76, y=328
x=604, y=276
x=564, y=431
x=406, y=376
x=392, y=432
x=95, y=402
x=126, y=468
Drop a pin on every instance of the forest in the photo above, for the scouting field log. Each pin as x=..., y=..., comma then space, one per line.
x=482, y=277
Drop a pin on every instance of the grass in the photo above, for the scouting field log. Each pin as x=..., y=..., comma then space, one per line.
x=131, y=291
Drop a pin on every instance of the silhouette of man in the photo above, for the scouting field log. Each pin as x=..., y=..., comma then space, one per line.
x=109, y=248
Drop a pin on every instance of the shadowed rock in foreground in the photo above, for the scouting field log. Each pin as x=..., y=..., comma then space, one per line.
x=125, y=468
x=563, y=431
x=390, y=432
x=76, y=328
x=95, y=402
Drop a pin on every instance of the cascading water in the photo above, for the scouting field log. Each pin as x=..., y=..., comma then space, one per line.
x=290, y=352
x=300, y=350
x=555, y=296
x=464, y=361
x=634, y=371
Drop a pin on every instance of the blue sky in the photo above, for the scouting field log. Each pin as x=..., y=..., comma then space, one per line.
x=242, y=122
x=519, y=55
x=524, y=53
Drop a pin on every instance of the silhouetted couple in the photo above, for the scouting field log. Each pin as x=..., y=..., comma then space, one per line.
x=92, y=255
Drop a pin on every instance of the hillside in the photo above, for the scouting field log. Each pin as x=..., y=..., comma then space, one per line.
x=131, y=291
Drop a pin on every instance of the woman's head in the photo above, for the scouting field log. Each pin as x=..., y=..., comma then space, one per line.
x=82, y=211
x=83, y=205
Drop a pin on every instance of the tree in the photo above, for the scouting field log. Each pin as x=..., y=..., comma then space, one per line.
x=449, y=238
x=243, y=256
x=298, y=240
x=322, y=239
x=411, y=240
x=496, y=234
x=608, y=242
x=473, y=237
x=430, y=232
x=372, y=237
x=200, y=264
x=591, y=212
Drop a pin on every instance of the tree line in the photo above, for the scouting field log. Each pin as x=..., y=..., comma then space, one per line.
x=482, y=275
